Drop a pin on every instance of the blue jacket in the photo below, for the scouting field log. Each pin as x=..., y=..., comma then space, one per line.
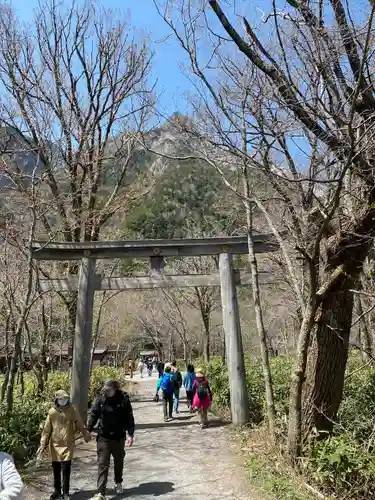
x=189, y=380
x=168, y=375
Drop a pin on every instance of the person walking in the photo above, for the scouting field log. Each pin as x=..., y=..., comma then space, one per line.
x=165, y=383
x=188, y=382
x=149, y=367
x=131, y=368
x=114, y=413
x=11, y=485
x=202, y=397
x=160, y=368
x=154, y=363
x=177, y=382
x=141, y=367
x=59, y=432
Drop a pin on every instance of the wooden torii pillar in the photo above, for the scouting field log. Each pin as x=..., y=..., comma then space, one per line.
x=83, y=336
x=155, y=250
x=239, y=398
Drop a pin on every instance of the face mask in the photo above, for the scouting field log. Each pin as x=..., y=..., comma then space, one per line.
x=62, y=402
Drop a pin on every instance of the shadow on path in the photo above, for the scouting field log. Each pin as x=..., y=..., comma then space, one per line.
x=180, y=422
x=160, y=425
x=155, y=489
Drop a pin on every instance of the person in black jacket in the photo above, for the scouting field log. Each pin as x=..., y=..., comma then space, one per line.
x=160, y=368
x=114, y=413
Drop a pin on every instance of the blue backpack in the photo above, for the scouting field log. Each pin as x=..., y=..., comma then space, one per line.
x=167, y=384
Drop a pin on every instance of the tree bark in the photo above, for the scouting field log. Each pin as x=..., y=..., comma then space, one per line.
x=328, y=358
x=271, y=413
x=206, y=338
x=72, y=317
x=294, y=442
x=8, y=325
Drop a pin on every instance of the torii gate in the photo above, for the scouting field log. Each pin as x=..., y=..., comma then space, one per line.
x=155, y=250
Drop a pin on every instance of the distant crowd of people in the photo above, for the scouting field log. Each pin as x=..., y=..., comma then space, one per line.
x=149, y=363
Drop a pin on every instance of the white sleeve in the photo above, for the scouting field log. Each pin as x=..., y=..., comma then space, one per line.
x=11, y=481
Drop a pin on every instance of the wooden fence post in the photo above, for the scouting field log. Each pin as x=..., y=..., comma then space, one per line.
x=239, y=399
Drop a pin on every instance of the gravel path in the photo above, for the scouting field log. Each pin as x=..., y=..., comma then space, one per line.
x=175, y=460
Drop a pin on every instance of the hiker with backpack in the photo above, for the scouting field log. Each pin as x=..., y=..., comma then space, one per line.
x=114, y=413
x=188, y=381
x=165, y=383
x=202, y=397
x=177, y=382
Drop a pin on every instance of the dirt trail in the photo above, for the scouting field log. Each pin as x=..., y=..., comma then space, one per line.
x=175, y=460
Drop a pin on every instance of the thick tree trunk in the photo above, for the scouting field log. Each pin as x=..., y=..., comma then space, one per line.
x=6, y=379
x=327, y=361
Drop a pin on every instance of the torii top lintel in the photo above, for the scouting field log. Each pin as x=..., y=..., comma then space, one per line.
x=151, y=248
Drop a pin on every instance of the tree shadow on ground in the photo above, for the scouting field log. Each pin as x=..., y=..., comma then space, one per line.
x=155, y=489
x=149, y=399
x=180, y=422
x=160, y=425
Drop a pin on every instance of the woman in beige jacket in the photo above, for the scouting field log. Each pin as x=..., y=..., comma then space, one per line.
x=59, y=432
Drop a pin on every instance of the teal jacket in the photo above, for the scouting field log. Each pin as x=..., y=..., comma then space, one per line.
x=169, y=379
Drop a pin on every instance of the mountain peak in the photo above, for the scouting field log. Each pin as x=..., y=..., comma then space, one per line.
x=177, y=120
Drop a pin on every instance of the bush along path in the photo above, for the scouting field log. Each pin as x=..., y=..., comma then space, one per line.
x=175, y=460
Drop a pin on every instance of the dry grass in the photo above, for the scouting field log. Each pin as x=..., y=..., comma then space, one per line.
x=268, y=468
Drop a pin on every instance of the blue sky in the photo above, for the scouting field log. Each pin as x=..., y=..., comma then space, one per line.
x=172, y=84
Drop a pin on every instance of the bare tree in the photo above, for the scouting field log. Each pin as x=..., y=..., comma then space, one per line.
x=74, y=95
x=20, y=307
x=307, y=93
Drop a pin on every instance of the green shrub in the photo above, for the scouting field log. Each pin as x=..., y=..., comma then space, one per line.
x=357, y=410
x=341, y=465
x=217, y=374
x=102, y=373
x=281, y=368
x=20, y=430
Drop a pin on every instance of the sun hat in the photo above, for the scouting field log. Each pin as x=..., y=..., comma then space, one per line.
x=61, y=394
x=199, y=372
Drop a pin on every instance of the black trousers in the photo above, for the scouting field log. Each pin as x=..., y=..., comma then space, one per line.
x=65, y=468
x=167, y=404
x=105, y=449
x=190, y=397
